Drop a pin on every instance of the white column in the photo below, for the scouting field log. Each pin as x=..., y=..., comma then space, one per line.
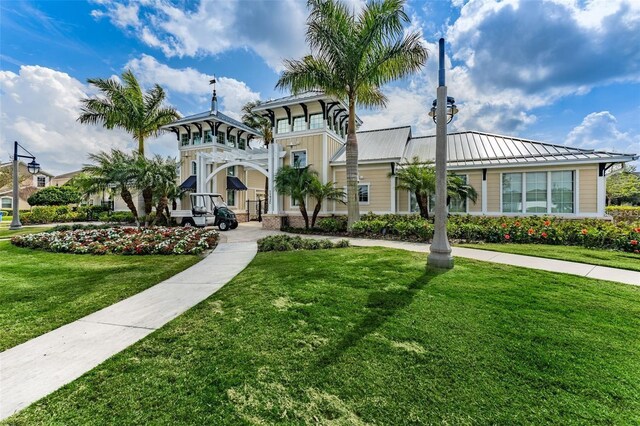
x=393, y=193
x=270, y=150
x=601, y=192
x=199, y=173
x=484, y=191
x=325, y=159
x=276, y=167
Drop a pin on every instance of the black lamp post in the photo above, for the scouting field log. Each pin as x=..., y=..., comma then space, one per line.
x=33, y=167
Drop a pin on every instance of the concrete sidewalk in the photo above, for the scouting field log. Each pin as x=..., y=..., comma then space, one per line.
x=38, y=367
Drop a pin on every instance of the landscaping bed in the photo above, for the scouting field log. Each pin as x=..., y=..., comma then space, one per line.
x=122, y=240
x=370, y=336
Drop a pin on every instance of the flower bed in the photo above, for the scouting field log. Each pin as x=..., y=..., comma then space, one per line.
x=122, y=240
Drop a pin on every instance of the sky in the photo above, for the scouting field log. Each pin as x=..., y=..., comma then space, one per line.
x=558, y=71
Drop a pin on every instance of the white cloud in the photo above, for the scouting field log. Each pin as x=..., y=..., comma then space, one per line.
x=233, y=94
x=39, y=109
x=272, y=29
x=599, y=131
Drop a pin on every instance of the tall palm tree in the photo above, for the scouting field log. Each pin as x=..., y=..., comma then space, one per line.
x=263, y=125
x=351, y=58
x=113, y=171
x=321, y=192
x=295, y=182
x=418, y=178
x=125, y=106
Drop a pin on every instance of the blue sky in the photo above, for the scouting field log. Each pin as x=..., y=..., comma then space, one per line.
x=561, y=71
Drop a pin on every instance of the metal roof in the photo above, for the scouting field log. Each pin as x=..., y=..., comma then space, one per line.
x=476, y=149
x=286, y=100
x=207, y=115
x=376, y=145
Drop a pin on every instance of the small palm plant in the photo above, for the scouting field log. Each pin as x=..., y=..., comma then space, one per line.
x=459, y=189
x=352, y=56
x=321, y=192
x=295, y=182
x=418, y=178
x=125, y=106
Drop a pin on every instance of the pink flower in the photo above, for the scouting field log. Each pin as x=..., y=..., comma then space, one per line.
x=507, y=236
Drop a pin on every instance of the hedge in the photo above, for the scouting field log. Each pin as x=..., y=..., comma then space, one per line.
x=289, y=243
x=624, y=213
x=55, y=196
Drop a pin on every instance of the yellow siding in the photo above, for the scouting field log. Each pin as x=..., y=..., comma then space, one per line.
x=379, y=188
x=474, y=178
x=588, y=178
x=403, y=201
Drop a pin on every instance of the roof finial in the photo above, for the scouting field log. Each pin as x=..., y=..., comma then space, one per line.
x=214, y=96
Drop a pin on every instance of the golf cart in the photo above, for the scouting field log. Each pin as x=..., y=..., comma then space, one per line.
x=207, y=209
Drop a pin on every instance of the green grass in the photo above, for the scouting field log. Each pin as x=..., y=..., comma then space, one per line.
x=613, y=259
x=40, y=291
x=367, y=335
x=5, y=232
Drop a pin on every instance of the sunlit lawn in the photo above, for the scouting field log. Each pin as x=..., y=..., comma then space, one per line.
x=368, y=336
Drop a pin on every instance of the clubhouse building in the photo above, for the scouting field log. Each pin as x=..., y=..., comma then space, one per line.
x=512, y=176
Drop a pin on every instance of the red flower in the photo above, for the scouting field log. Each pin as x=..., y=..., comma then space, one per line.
x=504, y=225
x=634, y=242
x=584, y=231
x=531, y=231
x=637, y=230
x=507, y=236
x=547, y=222
x=636, y=251
x=517, y=223
x=544, y=235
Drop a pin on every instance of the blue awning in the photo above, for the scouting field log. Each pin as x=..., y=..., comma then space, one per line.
x=189, y=184
x=235, y=184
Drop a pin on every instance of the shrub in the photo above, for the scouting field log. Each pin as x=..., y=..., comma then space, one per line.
x=50, y=214
x=121, y=240
x=289, y=243
x=55, y=196
x=116, y=217
x=333, y=224
x=629, y=214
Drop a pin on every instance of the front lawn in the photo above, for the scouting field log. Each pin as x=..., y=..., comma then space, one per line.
x=41, y=291
x=613, y=259
x=367, y=335
x=5, y=232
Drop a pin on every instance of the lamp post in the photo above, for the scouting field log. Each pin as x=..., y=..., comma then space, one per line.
x=442, y=112
x=33, y=168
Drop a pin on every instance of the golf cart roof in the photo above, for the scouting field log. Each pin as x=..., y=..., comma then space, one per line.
x=213, y=194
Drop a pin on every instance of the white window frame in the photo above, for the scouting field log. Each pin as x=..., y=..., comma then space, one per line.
x=524, y=193
x=574, y=194
x=304, y=123
x=362, y=203
x=466, y=202
x=287, y=129
x=196, y=138
x=44, y=181
x=184, y=139
x=523, y=211
x=221, y=140
x=306, y=157
x=232, y=143
x=194, y=168
x=10, y=202
x=311, y=121
x=231, y=171
x=231, y=191
x=205, y=133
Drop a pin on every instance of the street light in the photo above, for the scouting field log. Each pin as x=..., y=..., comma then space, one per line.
x=33, y=167
x=442, y=112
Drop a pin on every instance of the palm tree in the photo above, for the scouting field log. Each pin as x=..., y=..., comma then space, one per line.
x=351, y=58
x=125, y=106
x=295, y=182
x=420, y=179
x=321, y=192
x=263, y=125
x=113, y=171
x=165, y=185
x=458, y=188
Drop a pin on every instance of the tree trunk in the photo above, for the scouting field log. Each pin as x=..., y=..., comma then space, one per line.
x=141, y=145
x=423, y=205
x=353, y=207
x=160, y=208
x=147, y=196
x=128, y=199
x=316, y=210
x=303, y=210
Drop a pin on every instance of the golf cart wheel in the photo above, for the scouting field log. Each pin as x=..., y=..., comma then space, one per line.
x=188, y=223
x=234, y=225
x=223, y=226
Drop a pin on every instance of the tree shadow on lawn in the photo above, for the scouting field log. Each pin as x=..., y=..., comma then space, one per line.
x=382, y=305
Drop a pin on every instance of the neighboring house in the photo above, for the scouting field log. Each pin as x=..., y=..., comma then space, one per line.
x=28, y=185
x=513, y=176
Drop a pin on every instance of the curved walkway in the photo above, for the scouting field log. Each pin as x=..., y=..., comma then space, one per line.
x=38, y=367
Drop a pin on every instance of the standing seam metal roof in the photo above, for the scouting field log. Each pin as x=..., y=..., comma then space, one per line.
x=378, y=145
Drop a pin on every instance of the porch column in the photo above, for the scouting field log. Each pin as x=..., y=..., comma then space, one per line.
x=484, y=191
x=393, y=194
x=601, y=189
x=275, y=167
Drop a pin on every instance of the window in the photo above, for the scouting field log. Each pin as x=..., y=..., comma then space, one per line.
x=536, y=192
x=562, y=192
x=197, y=139
x=315, y=121
x=299, y=124
x=363, y=193
x=231, y=171
x=231, y=141
x=42, y=181
x=242, y=143
x=194, y=168
x=458, y=205
x=283, y=126
x=231, y=197
x=208, y=137
x=220, y=138
x=184, y=139
x=512, y=192
x=299, y=159
x=7, y=203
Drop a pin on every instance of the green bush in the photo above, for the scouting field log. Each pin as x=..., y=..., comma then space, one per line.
x=116, y=217
x=629, y=214
x=289, y=243
x=55, y=196
x=332, y=224
x=50, y=214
